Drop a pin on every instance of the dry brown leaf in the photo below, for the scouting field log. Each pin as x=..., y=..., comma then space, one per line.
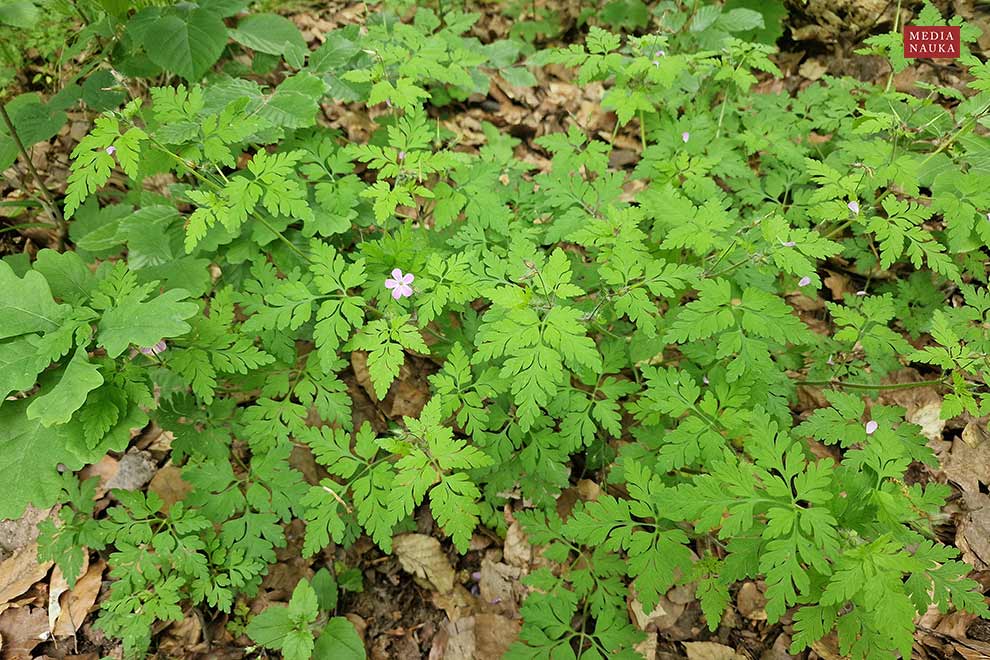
x=422, y=556
x=493, y=635
x=751, y=602
x=105, y=469
x=58, y=585
x=22, y=628
x=19, y=572
x=663, y=616
x=168, y=485
x=500, y=586
x=968, y=463
x=973, y=533
x=648, y=647
x=78, y=602
x=517, y=549
x=929, y=418
x=711, y=651
x=457, y=603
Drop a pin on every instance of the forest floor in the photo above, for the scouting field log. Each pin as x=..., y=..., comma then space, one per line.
x=426, y=600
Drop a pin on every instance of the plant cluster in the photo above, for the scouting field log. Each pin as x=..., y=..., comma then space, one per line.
x=636, y=324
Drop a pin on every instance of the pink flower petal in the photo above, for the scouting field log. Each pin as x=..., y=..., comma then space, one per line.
x=396, y=273
x=397, y=292
x=685, y=136
x=871, y=427
x=405, y=290
x=391, y=284
x=854, y=207
x=804, y=281
x=408, y=278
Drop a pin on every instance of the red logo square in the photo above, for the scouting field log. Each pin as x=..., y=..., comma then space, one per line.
x=932, y=42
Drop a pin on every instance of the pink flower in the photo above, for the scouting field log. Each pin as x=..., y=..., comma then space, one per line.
x=871, y=427
x=659, y=53
x=804, y=281
x=402, y=155
x=685, y=136
x=111, y=150
x=789, y=244
x=399, y=284
x=157, y=349
x=854, y=207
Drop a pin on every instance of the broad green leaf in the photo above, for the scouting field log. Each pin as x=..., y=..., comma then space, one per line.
x=66, y=273
x=34, y=455
x=58, y=404
x=339, y=640
x=19, y=365
x=268, y=33
x=186, y=44
x=145, y=323
x=26, y=304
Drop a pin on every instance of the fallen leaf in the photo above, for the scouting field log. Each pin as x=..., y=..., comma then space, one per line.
x=493, y=635
x=663, y=616
x=751, y=602
x=22, y=628
x=929, y=418
x=517, y=550
x=500, y=586
x=422, y=556
x=813, y=69
x=78, y=602
x=711, y=651
x=648, y=647
x=168, y=485
x=19, y=572
x=58, y=585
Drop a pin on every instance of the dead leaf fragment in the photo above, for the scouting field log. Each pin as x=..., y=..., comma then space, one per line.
x=711, y=651
x=19, y=572
x=22, y=628
x=422, y=556
x=57, y=586
x=517, y=549
x=78, y=602
x=751, y=602
x=168, y=485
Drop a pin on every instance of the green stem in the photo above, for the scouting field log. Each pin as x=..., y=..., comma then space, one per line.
x=868, y=386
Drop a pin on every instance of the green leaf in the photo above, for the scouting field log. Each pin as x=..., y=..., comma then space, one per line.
x=20, y=365
x=287, y=628
x=131, y=321
x=66, y=273
x=34, y=122
x=26, y=304
x=268, y=33
x=19, y=13
x=57, y=405
x=340, y=640
x=186, y=44
x=36, y=454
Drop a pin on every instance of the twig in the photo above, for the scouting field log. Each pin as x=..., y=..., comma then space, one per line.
x=62, y=229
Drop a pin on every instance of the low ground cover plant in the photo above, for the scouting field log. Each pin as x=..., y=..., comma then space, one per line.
x=637, y=323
